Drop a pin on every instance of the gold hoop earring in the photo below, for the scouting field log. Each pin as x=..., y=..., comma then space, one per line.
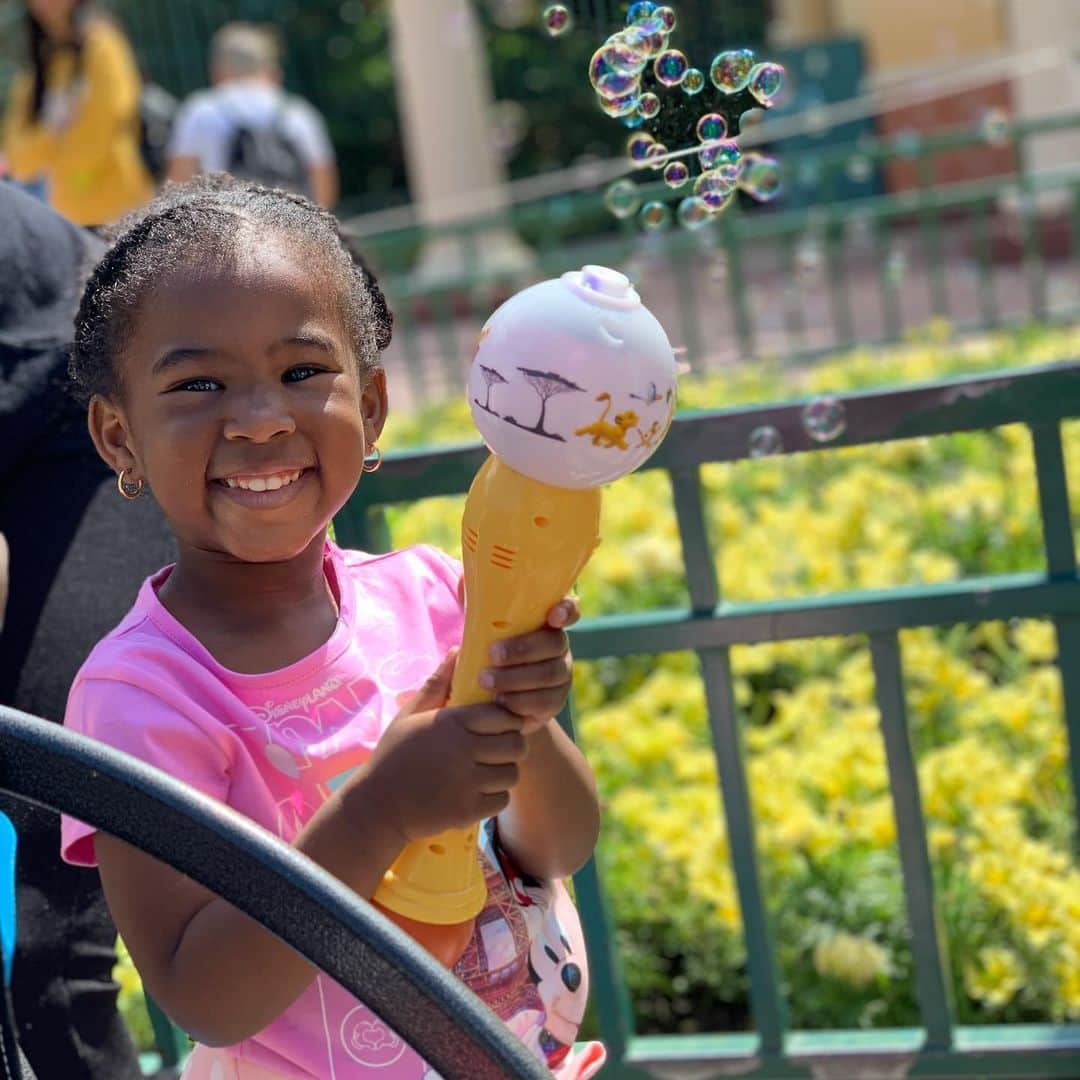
x=129, y=489
x=373, y=466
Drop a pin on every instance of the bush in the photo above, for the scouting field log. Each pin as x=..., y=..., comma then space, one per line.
x=984, y=709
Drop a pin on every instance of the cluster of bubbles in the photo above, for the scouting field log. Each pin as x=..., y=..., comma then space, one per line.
x=824, y=419
x=616, y=72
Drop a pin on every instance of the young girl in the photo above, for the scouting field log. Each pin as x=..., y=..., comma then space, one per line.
x=229, y=350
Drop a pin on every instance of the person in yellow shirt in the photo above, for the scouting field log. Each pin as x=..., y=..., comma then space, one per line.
x=72, y=120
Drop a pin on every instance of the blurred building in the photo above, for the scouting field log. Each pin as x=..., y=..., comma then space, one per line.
x=913, y=41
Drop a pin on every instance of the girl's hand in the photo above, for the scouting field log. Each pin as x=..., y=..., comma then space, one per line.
x=440, y=768
x=530, y=675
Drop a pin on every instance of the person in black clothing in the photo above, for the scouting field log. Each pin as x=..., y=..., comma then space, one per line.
x=78, y=554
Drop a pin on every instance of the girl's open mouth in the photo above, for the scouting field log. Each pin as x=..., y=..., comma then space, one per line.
x=264, y=492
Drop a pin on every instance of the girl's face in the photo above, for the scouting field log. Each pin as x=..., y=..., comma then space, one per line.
x=242, y=407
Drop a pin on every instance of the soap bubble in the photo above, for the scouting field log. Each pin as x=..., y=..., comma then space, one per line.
x=557, y=19
x=895, y=266
x=618, y=106
x=750, y=119
x=648, y=105
x=638, y=146
x=654, y=215
x=765, y=441
x=711, y=126
x=715, y=190
x=622, y=198
x=632, y=120
x=994, y=127
x=808, y=258
x=634, y=39
x=671, y=67
x=730, y=70
x=693, y=81
x=859, y=169
x=693, y=213
x=824, y=418
x=765, y=81
x=667, y=16
x=649, y=24
x=724, y=155
x=655, y=155
x=650, y=42
x=614, y=69
x=676, y=174
x=760, y=177
x=639, y=10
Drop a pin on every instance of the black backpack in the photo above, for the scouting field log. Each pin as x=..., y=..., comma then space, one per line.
x=268, y=156
x=157, y=111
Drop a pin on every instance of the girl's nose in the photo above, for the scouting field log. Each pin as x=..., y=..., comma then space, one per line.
x=259, y=416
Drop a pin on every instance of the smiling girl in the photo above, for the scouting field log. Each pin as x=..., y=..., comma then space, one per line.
x=229, y=349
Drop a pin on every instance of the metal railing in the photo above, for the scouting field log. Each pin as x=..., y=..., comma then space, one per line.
x=795, y=283
x=1041, y=399
x=293, y=897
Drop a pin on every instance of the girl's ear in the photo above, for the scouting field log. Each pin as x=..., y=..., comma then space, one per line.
x=112, y=436
x=374, y=404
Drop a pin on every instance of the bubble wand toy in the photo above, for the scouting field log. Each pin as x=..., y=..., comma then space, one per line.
x=573, y=385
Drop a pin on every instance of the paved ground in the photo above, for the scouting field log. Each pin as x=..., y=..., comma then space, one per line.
x=789, y=311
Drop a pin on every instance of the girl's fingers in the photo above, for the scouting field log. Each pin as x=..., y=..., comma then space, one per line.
x=541, y=675
x=494, y=779
x=505, y=749
x=565, y=613
x=546, y=644
x=485, y=719
x=536, y=704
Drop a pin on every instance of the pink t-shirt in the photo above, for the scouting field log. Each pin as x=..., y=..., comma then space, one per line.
x=274, y=745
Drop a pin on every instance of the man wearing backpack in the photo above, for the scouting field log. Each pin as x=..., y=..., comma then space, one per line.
x=248, y=126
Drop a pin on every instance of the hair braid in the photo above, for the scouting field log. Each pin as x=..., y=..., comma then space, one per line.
x=207, y=219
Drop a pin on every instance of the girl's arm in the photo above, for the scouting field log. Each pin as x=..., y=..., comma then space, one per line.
x=217, y=973
x=221, y=975
x=553, y=819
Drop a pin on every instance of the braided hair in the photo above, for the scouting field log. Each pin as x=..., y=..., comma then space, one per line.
x=204, y=223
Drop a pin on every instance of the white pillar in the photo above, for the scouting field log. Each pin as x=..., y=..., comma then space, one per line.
x=1042, y=24
x=444, y=100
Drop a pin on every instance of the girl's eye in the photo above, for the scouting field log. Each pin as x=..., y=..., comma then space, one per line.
x=301, y=372
x=198, y=386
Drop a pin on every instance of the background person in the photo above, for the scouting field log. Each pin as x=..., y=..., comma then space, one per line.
x=72, y=123
x=77, y=556
x=248, y=126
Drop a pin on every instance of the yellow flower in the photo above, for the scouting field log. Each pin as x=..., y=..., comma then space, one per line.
x=851, y=958
x=995, y=976
x=1036, y=640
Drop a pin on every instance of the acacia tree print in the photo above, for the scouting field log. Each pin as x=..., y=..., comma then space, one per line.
x=490, y=377
x=547, y=384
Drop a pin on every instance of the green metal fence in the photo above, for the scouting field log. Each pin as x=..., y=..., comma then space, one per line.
x=1041, y=399
x=841, y=273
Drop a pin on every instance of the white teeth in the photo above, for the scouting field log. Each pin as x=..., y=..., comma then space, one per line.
x=263, y=483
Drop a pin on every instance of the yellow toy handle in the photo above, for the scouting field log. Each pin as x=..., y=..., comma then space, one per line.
x=524, y=543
